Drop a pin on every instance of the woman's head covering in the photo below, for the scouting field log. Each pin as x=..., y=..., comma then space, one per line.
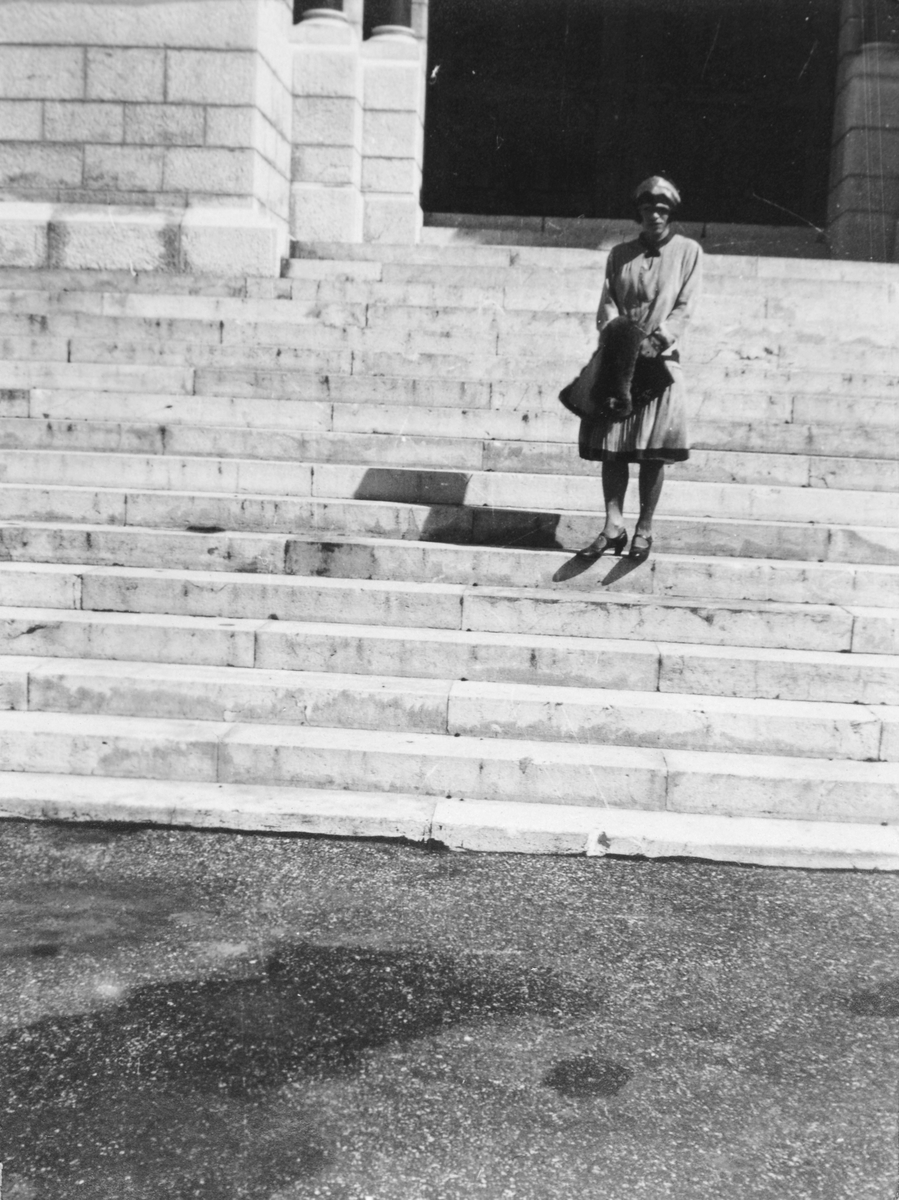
x=657, y=190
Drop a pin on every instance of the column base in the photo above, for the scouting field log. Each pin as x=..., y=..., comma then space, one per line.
x=201, y=240
x=394, y=220
x=865, y=236
x=325, y=214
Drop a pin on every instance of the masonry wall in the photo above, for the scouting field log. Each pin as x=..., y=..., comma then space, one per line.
x=863, y=206
x=180, y=104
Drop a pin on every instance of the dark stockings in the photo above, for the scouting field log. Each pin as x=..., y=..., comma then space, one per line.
x=615, y=477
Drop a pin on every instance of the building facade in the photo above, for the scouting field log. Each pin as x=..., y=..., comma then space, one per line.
x=204, y=134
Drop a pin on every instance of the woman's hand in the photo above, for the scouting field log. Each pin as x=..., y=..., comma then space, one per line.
x=661, y=339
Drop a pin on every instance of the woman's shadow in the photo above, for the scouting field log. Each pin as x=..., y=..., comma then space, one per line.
x=583, y=562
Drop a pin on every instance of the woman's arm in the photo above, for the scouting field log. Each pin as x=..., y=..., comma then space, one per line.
x=608, y=308
x=672, y=328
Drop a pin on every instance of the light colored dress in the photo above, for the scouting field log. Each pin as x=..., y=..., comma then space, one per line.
x=657, y=287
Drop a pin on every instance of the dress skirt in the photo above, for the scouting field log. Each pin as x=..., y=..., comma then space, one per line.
x=655, y=433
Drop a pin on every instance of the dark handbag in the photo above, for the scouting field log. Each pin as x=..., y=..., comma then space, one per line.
x=578, y=396
x=625, y=373
x=652, y=376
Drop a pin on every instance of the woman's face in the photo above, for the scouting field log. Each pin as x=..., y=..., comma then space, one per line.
x=654, y=220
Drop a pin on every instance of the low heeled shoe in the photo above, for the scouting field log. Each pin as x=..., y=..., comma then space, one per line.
x=603, y=545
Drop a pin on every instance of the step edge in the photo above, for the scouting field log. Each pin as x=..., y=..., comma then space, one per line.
x=473, y=826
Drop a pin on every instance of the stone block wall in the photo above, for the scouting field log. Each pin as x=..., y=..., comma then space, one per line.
x=392, y=137
x=358, y=122
x=326, y=203
x=863, y=206
x=173, y=106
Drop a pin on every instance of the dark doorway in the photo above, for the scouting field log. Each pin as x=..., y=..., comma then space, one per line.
x=557, y=107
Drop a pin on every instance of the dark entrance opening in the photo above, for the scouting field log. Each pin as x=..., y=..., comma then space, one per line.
x=558, y=107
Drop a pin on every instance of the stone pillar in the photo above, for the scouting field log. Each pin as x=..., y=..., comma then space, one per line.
x=145, y=136
x=393, y=62
x=863, y=207
x=326, y=172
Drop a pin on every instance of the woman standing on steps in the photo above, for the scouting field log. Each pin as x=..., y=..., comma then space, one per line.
x=653, y=281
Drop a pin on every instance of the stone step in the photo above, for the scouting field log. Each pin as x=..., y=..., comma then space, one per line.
x=153, y=282
x=452, y=654
x=107, y=412
x=344, y=557
x=748, y=268
x=804, y=307
x=435, y=765
x=457, y=824
x=114, y=377
x=491, y=489
x=630, y=616
x=263, y=809
x=180, y=438
x=586, y=716
x=728, y=402
x=437, y=246
x=458, y=524
x=451, y=229
x=715, y=335
x=548, y=287
x=548, y=270
x=36, y=362
x=336, y=302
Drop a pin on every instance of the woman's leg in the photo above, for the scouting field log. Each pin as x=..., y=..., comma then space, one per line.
x=613, y=536
x=652, y=476
x=614, y=487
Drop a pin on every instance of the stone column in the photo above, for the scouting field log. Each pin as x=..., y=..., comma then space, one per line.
x=326, y=172
x=145, y=136
x=863, y=207
x=393, y=126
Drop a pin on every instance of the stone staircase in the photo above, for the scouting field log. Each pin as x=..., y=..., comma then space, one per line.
x=296, y=555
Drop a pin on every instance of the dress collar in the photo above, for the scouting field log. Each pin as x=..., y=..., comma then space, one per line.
x=651, y=249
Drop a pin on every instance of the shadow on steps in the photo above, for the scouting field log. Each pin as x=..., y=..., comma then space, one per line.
x=450, y=519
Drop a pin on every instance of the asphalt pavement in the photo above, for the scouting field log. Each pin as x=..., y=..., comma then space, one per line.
x=189, y=1014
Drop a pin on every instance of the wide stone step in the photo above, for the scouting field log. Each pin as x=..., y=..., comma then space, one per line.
x=805, y=307
x=492, y=489
x=181, y=438
x=105, y=377
x=452, y=654
x=547, y=611
x=438, y=245
x=205, y=512
x=747, y=268
x=458, y=824
x=341, y=556
x=93, y=388
x=715, y=337
x=294, y=300
x=154, y=282
x=557, y=268
x=459, y=229
x=268, y=809
x=436, y=765
x=552, y=282
x=100, y=418
x=41, y=362
x=467, y=708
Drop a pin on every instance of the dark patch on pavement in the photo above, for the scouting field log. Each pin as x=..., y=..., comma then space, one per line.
x=150, y=1086
x=706, y=1029
x=882, y=1001
x=45, y=949
x=235, y=1017
x=587, y=1076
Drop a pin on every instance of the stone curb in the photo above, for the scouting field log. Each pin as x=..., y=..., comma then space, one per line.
x=485, y=826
